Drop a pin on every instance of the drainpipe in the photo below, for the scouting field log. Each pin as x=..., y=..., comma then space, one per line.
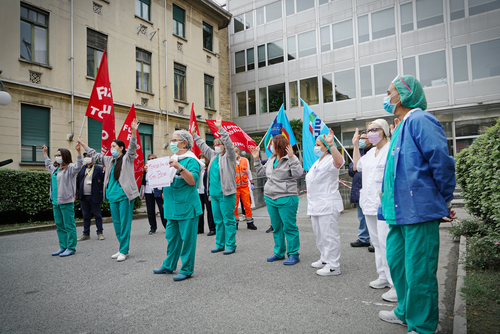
x=166, y=67
x=72, y=60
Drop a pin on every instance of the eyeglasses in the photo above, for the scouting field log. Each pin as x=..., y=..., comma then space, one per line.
x=373, y=130
x=57, y=155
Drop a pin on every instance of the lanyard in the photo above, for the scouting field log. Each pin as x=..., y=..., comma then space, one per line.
x=91, y=171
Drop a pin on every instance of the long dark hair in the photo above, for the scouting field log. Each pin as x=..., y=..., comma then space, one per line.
x=66, y=156
x=119, y=160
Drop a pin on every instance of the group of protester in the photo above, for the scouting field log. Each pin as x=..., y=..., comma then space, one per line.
x=407, y=185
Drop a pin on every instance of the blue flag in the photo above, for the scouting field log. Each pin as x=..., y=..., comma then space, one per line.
x=312, y=127
x=280, y=126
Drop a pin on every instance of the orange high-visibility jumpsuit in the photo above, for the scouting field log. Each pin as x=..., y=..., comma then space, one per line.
x=243, y=189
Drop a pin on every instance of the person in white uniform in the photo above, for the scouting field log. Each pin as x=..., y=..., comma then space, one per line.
x=372, y=164
x=325, y=204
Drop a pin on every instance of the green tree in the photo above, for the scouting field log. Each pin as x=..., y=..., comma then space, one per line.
x=296, y=125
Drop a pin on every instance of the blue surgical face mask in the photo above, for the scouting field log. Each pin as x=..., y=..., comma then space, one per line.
x=173, y=147
x=388, y=106
x=114, y=153
x=318, y=151
x=362, y=143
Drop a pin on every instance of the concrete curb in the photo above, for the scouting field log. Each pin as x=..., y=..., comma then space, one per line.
x=53, y=226
x=459, y=318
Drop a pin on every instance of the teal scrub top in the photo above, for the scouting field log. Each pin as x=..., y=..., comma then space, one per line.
x=53, y=180
x=388, y=209
x=275, y=162
x=114, y=191
x=181, y=200
x=215, y=188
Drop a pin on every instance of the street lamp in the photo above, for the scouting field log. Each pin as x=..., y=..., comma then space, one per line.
x=5, y=97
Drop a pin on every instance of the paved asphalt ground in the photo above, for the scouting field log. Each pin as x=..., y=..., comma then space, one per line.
x=240, y=293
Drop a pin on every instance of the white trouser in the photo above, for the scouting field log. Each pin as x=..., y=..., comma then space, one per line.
x=327, y=233
x=378, y=230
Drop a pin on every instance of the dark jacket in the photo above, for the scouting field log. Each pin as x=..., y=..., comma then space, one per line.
x=158, y=192
x=97, y=183
x=356, y=177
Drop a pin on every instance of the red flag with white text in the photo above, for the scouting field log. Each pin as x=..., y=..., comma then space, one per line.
x=193, y=122
x=100, y=105
x=125, y=135
x=237, y=135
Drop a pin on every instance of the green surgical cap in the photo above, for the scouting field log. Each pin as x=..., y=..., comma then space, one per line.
x=411, y=92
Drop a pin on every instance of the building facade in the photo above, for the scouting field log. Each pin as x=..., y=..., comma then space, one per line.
x=162, y=56
x=340, y=56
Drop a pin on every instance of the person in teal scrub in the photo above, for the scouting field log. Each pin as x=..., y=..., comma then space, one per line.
x=120, y=187
x=221, y=187
x=417, y=190
x=62, y=196
x=282, y=169
x=182, y=207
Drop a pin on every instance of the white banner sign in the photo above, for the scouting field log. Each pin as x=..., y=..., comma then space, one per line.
x=160, y=174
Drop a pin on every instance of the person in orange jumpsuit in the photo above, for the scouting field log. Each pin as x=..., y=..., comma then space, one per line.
x=243, y=177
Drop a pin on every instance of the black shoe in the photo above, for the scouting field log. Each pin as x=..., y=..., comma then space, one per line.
x=211, y=233
x=270, y=229
x=152, y=232
x=201, y=232
x=237, y=225
x=359, y=243
x=251, y=226
x=371, y=249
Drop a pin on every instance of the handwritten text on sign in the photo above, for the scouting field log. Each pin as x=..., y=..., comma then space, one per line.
x=159, y=173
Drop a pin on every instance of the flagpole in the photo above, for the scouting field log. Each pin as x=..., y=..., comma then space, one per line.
x=343, y=148
x=83, y=123
x=262, y=140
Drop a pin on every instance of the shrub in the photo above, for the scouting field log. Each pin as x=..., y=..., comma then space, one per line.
x=466, y=227
x=483, y=252
x=478, y=173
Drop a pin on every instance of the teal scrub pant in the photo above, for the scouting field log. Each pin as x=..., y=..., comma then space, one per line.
x=181, y=238
x=283, y=214
x=412, y=254
x=122, y=212
x=64, y=216
x=225, y=222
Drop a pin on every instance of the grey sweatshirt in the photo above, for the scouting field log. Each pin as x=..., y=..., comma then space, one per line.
x=227, y=162
x=66, y=180
x=282, y=180
x=127, y=177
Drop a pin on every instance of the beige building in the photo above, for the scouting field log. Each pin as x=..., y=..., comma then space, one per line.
x=162, y=56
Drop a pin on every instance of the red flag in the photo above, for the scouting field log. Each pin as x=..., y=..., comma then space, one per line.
x=100, y=105
x=238, y=136
x=125, y=135
x=193, y=122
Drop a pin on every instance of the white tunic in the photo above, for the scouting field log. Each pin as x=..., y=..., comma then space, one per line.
x=373, y=173
x=323, y=196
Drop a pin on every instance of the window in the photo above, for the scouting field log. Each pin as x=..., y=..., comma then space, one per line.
x=251, y=102
x=325, y=38
x=485, y=58
x=383, y=23
x=34, y=35
x=239, y=24
x=294, y=94
x=322, y=2
x=383, y=74
x=241, y=99
x=277, y=97
x=345, y=85
x=429, y=12
x=304, y=5
x=263, y=100
x=327, y=88
x=35, y=130
x=291, y=47
x=209, y=92
x=481, y=6
x=143, y=70
x=250, y=59
x=471, y=129
x=365, y=78
x=363, y=29
x=342, y=34
x=433, y=69
x=239, y=61
x=207, y=36
x=142, y=8
x=407, y=17
x=409, y=67
x=307, y=43
x=290, y=7
x=96, y=45
x=261, y=54
x=146, y=135
x=275, y=52
x=457, y=9
x=309, y=91
x=460, y=72
x=259, y=14
x=249, y=20
x=209, y=139
x=273, y=11
x=179, y=82
x=347, y=138
x=94, y=134
x=179, y=15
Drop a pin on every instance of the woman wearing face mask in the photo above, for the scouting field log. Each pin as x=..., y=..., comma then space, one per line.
x=62, y=196
x=120, y=188
x=221, y=187
x=325, y=204
x=372, y=164
x=282, y=169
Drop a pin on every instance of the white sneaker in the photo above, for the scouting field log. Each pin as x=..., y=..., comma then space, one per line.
x=318, y=264
x=389, y=316
x=121, y=257
x=390, y=296
x=380, y=284
x=327, y=271
x=115, y=256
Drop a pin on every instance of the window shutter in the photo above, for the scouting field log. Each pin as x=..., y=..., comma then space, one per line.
x=178, y=14
x=145, y=129
x=95, y=134
x=97, y=40
x=35, y=125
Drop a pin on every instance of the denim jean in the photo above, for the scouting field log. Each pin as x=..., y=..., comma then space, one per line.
x=363, y=234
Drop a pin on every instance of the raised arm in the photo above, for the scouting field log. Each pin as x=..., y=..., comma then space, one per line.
x=294, y=163
x=97, y=157
x=75, y=168
x=48, y=163
x=132, y=145
x=205, y=149
x=355, y=153
x=261, y=170
x=338, y=159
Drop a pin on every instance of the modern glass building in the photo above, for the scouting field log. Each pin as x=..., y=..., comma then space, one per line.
x=340, y=56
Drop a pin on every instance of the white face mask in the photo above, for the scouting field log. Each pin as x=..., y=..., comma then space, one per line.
x=59, y=160
x=87, y=160
x=273, y=151
x=218, y=150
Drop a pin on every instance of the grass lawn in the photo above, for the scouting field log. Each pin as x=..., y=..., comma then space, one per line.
x=482, y=297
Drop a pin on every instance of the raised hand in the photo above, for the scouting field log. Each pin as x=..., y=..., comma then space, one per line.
x=193, y=130
x=355, y=138
x=289, y=151
x=329, y=138
x=218, y=121
x=256, y=153
x=44, y=149
x=134, y=125
x=395, y=126
x=77, y=147
x=81, y=142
